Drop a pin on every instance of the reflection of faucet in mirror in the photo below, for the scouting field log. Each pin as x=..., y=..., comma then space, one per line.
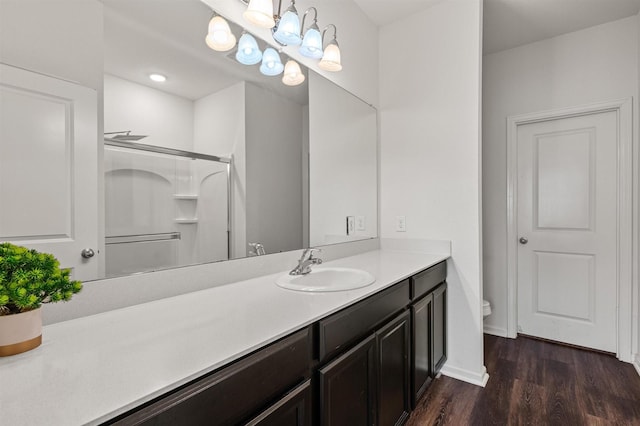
x=305, y=262
x=257, y=249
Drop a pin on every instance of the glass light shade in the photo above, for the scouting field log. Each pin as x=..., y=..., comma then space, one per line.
x=288, y=30
x=292, y=74
x=220, y=37
x=260, y=13
x=312, y=44
x=248, y=52
x=271, y=63
x=331, y=59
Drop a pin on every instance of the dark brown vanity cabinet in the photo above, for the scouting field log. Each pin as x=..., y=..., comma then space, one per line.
x=235, y=394
x=368, y=384
x=439, y=327
x=367, y=364
x=394, y=379
x=294, y=409
x=428, y=331
x=347, y=387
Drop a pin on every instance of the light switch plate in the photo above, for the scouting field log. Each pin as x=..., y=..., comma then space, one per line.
x=360, y=223
x=401, y=224
x=351, y=225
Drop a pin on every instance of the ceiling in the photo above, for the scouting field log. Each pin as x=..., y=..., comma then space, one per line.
x=512, y=23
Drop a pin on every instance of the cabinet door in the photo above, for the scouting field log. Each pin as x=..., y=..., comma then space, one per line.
x=394, y=400
x=347, y=387
x=439, y=327
x=422, y=360
x=294, y=409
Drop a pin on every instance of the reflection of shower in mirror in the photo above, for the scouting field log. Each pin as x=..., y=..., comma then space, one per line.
x=163, y=208
x=124, y=135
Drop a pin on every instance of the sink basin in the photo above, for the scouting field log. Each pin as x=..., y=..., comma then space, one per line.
x=324, y=278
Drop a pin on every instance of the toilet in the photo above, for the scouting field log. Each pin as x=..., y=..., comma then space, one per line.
x=486, y=308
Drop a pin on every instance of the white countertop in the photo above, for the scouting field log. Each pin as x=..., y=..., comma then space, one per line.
x=91, y=369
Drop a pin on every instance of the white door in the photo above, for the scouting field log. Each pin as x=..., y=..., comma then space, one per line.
x=48, y=167
x=567, y=230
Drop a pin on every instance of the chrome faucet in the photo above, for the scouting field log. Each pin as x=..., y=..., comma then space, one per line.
x=305, y=262
x=257, y=249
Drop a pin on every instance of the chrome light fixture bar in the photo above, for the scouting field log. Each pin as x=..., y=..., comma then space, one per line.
x=312, y=40
x=286, y=30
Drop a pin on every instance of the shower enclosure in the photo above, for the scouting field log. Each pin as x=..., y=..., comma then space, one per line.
x=164, y=207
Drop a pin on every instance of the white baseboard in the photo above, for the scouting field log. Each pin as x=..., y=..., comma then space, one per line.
x=478, y=379
x=636, y=363
x=495, y=331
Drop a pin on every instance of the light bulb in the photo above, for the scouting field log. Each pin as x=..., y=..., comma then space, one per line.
x=271, y=63
x=220, y=37
x=331, y=58
x=260, y=13
x=292, y=74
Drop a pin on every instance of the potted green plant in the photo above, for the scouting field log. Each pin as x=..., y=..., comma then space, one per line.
x=28, y=279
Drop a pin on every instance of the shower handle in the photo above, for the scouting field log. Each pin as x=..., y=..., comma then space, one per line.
x=87, y=253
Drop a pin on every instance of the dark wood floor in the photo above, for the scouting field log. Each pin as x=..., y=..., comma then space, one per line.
x=536, y=383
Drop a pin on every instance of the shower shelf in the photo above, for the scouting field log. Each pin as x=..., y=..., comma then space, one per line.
x=185, y=196
x=186, y=221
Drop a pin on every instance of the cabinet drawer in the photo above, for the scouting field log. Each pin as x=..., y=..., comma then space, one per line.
x=294, y=409
x=354, y=322
x=426, y=281
x=233, y=394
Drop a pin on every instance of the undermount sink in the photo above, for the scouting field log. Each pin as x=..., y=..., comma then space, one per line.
x=324, y=278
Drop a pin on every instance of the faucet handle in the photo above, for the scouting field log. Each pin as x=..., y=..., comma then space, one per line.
x=310, y=251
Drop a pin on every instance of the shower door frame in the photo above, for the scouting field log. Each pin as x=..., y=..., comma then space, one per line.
x=187, y=154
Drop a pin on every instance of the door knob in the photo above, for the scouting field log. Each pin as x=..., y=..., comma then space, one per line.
x=523, y=240
x=87, y=253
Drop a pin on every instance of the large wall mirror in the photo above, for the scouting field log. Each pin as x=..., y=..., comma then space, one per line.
x=219, y=161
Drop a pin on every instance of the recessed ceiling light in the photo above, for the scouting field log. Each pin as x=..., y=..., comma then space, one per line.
x=158, y=77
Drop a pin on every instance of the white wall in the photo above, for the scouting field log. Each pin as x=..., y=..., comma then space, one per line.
x=60, y=38
x=274, y=170
x=166, y=119
x=343, y=163
x=219, y=129
x=430, y=155
x=357, y=37
x=591, y=65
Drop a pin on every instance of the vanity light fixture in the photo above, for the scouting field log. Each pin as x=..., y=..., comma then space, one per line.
x=312, y=41
x=219, y=36
x=271, y=62
x=260, y=13
x=159, y=78
x=287, y=29
x=292, y=74
x=248, y=51
x=331, y=57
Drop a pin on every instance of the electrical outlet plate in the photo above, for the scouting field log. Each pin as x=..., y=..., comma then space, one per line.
x=360, y=223
x=351, y=225
x=401, y=224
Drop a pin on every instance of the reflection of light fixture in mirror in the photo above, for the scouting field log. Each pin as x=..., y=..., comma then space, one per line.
x=271, y=63
x=331, y=58
x=292, y=74
x=248, y=52
x=312, y=41
x=260, y=13
x=159, y=78
x=287, y=29
x=219, y=36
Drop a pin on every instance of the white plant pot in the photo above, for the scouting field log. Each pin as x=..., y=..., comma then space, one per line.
x=20, y=332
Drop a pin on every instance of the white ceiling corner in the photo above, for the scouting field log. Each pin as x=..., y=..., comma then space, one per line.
x=512, y=23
